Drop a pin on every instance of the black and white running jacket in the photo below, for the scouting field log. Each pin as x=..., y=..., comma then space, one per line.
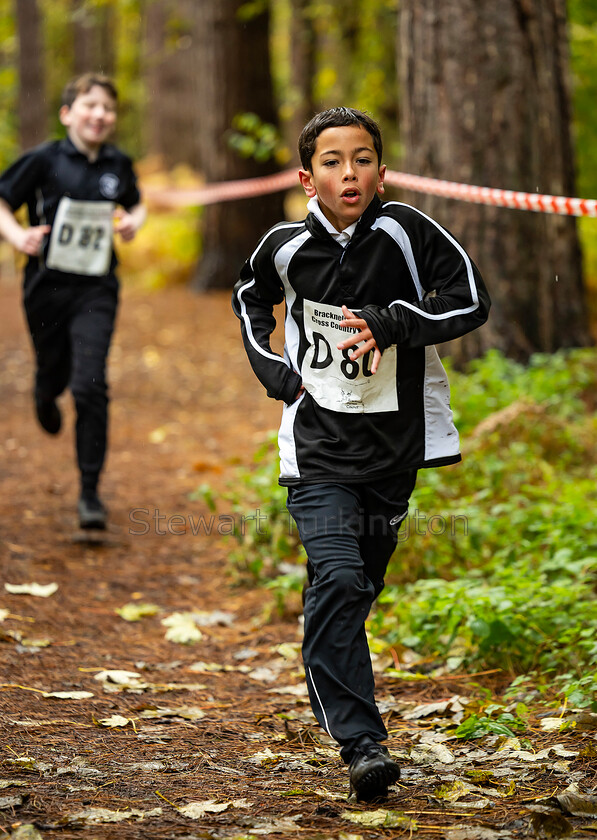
x=415, y=286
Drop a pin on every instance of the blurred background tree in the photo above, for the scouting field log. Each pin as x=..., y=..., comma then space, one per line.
x=223, y=88
x=485, y=97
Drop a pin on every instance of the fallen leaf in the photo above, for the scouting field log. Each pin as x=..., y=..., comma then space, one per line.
x=445, y=707
x=119, y=680
x=550, y=824
x=584, y=721
x=206, y=667
x=551, y=724
x=213, y=618
x=38, y=590
x=10, y=802
x=93, y=816
x=197, y=810
x=299, y=690
x=27, y=763
x=287, y=650
x=453, y=791
x=575, y=803
x=476, y=832
x=266, y=756
x=381, y=817
x=431, y=753
x=267, y=826
x=4, y=614
x=26, y=832
x=476, y=805
x=135, y=612
x=263, y=674
x=115, y=721
x=68, y=695
x=35, y=643
x=182, y=629
x=185, y=712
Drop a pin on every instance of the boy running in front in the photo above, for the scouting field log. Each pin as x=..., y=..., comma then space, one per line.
x=370, y=288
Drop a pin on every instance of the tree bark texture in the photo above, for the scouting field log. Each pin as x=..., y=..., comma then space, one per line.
x=234, y=77
x=485, y=101
x=93, y=38
x=33, y=121
x=172, y=70
x=303, y=68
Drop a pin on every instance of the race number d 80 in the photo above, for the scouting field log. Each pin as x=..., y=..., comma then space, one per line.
x=334, y=380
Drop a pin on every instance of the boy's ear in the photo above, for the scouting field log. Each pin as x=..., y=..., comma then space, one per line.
x=306, y=179
x=380, y=180
x=64, y=115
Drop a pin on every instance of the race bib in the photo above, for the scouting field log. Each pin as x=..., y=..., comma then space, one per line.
x=81, y=237
x=332, y=378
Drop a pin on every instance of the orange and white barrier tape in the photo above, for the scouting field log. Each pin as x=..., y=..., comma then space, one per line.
x=251, y=187
x=222, y=190
x=498, y=198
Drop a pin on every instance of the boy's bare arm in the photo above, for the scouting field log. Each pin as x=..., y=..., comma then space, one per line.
x=27, y=240
x=364, y=334
x=128, y=222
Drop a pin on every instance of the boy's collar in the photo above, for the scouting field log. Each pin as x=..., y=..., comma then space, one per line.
x=313, y=207
x=363, y=222
x=105, y=150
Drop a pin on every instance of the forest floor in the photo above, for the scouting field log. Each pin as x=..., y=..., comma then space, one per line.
x=111, y=730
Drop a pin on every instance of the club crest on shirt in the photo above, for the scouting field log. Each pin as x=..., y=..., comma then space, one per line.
x=108, y=185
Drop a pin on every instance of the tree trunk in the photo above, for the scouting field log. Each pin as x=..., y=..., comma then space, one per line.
x=93, y=38
x=33, y=121
x=302, y=71
x=234, y=78
x=171, y=70
x=485, y=101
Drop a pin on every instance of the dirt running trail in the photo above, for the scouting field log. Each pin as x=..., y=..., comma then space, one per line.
x=212, y=739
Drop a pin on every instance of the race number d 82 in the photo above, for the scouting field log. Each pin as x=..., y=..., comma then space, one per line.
x=81, y=237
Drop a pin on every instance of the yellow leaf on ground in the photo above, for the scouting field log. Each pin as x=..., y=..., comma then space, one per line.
x=135, y=612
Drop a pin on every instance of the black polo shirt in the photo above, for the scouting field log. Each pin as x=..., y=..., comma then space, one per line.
x=44, y=175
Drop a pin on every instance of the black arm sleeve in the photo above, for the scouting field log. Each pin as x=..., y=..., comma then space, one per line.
x=452, y=300
x=256, y=293
x=19, y=181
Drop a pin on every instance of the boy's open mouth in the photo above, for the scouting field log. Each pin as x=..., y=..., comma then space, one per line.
x=350, y=194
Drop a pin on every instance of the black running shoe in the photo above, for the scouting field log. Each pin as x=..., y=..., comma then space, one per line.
x=48, y=415
x=92, y=513
x=371, y=771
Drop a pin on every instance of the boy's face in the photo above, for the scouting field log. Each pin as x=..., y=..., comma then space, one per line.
x=91, y=118
x=345, y=174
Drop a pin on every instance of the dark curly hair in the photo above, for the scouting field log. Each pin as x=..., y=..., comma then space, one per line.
x=332, y=118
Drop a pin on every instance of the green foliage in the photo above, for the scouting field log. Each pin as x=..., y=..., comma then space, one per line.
x=583, y=58
x=8, y=86
x=264, y=532
x=513, y=589
x=476, y=726
x=250, y=137
x=496, y=565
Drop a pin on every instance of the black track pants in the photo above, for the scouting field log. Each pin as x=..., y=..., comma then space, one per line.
x=71, y=321
x=349, y=533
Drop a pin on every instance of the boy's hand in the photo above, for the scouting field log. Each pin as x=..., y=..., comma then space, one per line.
x=364, y=334
x=30, y=240
x=126, y=224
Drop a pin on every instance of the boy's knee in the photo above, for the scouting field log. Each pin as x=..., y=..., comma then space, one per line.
x=347, y=581
x=88, y=390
